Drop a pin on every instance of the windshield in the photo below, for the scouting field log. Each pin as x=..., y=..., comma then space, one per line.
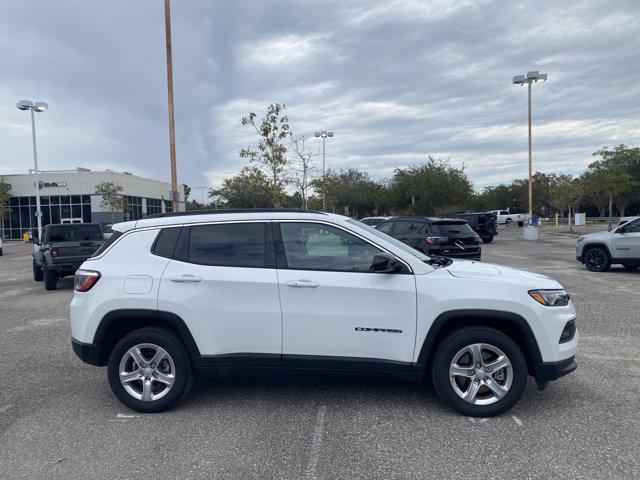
x=452, y=229
x=387, y=238
x=75, y=233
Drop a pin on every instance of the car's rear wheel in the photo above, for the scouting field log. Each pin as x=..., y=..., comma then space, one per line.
x=37, y=272
x=479, y=371
x=487, y=239
x=631, y=266
x=149, y=370
x=508, y=223
x=50, y=280
x=596, y=259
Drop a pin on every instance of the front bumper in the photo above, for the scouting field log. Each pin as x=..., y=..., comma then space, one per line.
x=547, y=372
x=87, y=352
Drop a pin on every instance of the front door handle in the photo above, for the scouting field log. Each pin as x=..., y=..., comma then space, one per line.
x=185, y=278
x=302, y=284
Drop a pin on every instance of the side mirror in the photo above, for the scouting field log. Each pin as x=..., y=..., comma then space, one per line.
x=386, y=263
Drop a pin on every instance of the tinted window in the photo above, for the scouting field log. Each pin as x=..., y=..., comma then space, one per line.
x=166, y=242
x=231, y=244
x=108, y=242
x=452, y=229
x=405, y=227
x=632, y=227
x=75, y=233
x=314, y=246
x=385, y=227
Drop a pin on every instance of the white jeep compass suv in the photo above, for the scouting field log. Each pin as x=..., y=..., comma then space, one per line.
x=228, y=291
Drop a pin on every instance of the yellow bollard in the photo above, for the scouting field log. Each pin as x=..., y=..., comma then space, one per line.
x=556, y=219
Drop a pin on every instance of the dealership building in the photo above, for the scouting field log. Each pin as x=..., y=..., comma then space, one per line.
x=69, y=196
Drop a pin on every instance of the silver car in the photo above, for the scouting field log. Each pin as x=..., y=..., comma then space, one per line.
x=598, y=251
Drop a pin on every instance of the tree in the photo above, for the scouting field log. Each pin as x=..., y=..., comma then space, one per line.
x=4, y=202
x=186, y=191
x=433, y=187
x=271, y=154
x=112, y=200
x=249, y=189
x=304, y=169
x=349, y=191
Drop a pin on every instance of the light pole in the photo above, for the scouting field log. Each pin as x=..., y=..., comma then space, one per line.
x=528, y=79
x=35, y=107
x=323, y=134
x=172, y=129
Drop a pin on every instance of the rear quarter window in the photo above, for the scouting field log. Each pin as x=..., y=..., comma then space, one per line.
x=165, y=243
x=107, y=243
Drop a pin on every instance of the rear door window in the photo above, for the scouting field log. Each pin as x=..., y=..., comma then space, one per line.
x=75, y=233
x=452, y=229
x=406, y=227
x=385, y=227
x=228, y=245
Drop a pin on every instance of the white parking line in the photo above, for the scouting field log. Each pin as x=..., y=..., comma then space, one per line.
x=517, y=420
x=5, y=408
x=316, y=442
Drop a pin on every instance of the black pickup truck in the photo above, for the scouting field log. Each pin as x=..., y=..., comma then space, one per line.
x=63, y=248
x=484, y=224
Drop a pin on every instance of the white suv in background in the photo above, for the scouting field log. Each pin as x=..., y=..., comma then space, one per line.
x=230, y=291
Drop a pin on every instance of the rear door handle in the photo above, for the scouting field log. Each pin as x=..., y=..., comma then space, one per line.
x=185, y=278
x=302, y=284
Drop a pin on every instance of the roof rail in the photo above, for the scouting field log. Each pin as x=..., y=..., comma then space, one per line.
x=233, y=210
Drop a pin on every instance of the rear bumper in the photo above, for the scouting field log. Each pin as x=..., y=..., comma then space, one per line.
x=87, y=352
x=65, y=268
x=547, y=372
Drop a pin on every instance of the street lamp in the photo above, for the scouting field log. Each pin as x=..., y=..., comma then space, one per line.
x=323, y=134
x=35, y=107
x=528, y=79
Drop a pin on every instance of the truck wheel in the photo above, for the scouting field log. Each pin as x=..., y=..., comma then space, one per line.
x=479, y=371
x=488, y=239
x=50, y=280
x=597, y=260
x=37, y=272
x=508, y=222
x=149, y=370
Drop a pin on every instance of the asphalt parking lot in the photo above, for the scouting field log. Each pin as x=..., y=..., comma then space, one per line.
x=58, y=418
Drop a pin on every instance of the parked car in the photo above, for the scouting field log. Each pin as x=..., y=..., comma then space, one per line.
x=373, y=221
x=505, y=217
x=63, y=248
x=275, y=289
x=107, y=231
x=598, y=251
x=484, y=224
x=442, y=237
x=627, y=219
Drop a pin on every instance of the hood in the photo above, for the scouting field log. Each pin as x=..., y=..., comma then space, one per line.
x=597, y=236
x=489, y=271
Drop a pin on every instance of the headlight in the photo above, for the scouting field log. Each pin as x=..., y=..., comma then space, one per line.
x=580, y=239
x=550, y=298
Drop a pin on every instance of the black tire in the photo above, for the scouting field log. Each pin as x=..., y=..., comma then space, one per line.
x=1, y=252
x=488, y=239
x=50, y=280
x=37, y=272
x=508, y=222
x=183, y=369
x=457, y=340
x=596, y=259
x=631, y=266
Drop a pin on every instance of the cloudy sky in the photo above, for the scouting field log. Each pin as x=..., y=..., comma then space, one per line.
x=396, y=80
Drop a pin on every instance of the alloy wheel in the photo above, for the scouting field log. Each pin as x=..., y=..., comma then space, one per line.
x=595, y=259
x=481, y=374
x=147, y=372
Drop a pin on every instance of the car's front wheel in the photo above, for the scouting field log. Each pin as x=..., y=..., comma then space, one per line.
x=596, y=259
x=149, y=370
x=479, y=371
x=487, y=239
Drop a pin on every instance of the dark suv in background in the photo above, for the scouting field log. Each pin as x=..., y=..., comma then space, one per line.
x=444, y=237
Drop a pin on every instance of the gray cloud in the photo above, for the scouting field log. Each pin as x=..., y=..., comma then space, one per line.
x=395, y=80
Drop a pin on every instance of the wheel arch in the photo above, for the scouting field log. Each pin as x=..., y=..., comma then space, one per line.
x=118, y=323
x=511, y=324
x=602, y=245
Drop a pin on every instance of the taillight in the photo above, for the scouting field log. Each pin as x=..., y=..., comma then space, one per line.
x=84, y=280
x=54, y=252
x=436, y=240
